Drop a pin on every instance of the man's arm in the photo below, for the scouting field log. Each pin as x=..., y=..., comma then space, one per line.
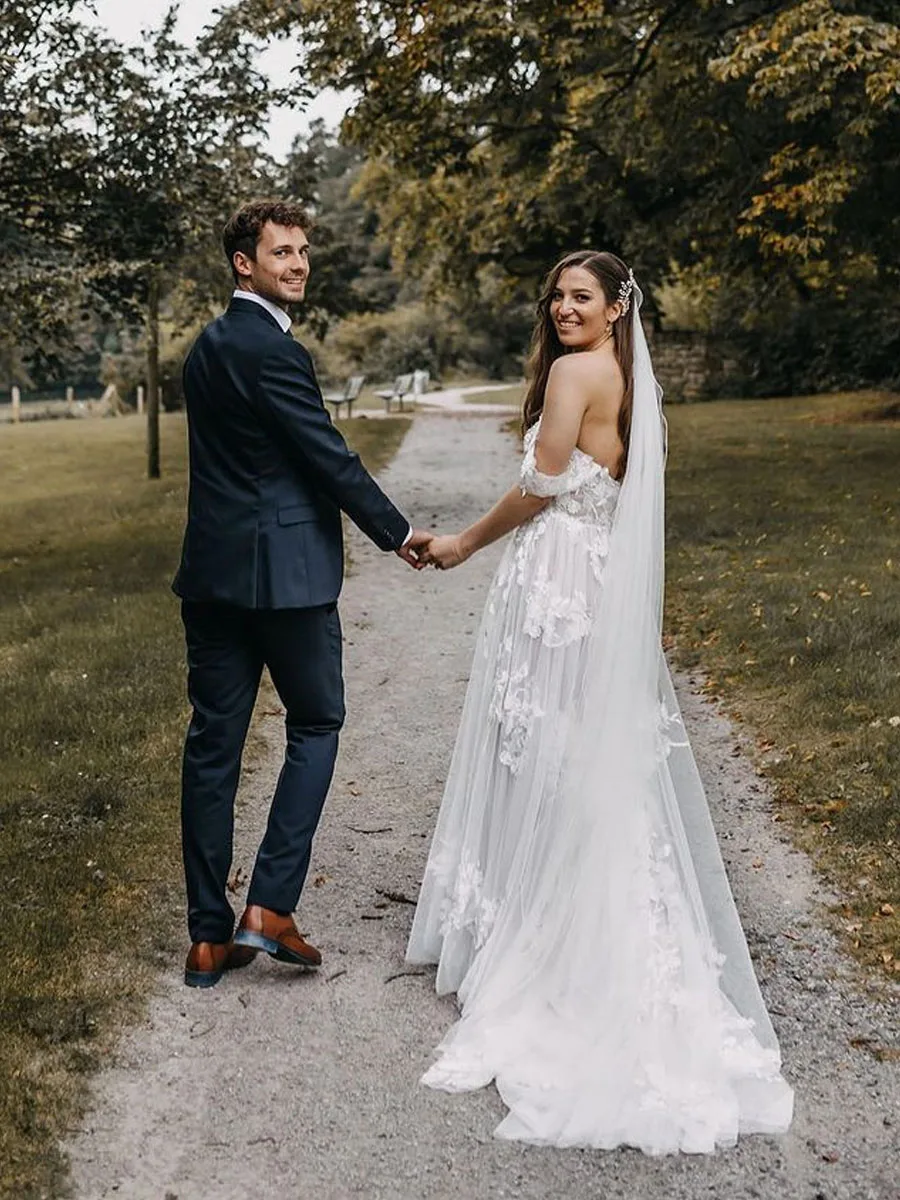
x=292, y=404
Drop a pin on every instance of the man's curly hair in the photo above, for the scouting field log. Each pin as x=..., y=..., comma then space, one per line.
x=244, y=228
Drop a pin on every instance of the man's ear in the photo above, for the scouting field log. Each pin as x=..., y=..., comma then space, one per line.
x=241, y=263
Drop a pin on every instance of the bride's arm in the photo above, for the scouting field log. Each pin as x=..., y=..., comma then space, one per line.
x=510, y=511
x=565, y=401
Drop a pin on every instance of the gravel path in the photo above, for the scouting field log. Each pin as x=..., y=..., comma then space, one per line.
x=278, y=1084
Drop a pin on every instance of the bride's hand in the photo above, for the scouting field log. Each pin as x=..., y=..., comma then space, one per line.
x=445, y=551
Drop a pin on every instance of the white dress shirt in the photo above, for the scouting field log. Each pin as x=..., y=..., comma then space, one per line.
x=272, y=309
x=285, y=322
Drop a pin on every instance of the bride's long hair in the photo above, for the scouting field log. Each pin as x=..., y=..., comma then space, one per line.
x=611, y=273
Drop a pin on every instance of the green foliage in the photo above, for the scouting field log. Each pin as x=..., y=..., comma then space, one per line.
x=352, y=267
x=118, y=166
x=366, y=310
x=752, y=143
x=828, y=76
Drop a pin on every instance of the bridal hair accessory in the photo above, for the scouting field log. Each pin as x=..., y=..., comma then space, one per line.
x=626, y=287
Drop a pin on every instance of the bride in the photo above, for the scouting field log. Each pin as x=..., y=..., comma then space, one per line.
x=574, y=896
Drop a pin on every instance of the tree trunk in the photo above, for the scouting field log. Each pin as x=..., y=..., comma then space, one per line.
x=153, y=471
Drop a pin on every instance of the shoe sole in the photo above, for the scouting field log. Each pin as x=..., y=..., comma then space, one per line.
x=246, y=937
x=202, y=979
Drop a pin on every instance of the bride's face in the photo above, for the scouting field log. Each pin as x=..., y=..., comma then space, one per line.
x=579, y=311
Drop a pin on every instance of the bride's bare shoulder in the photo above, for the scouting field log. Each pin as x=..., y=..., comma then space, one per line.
x=588, y=369
x=594, y=376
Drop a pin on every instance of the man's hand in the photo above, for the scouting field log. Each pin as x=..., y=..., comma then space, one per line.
x=413, y=550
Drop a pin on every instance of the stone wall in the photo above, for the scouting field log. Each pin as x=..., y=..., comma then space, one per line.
x=688, y=365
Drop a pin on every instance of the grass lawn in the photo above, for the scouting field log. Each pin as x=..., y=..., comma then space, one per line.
x=511, y=395
x=92, y=695
x=784, y=586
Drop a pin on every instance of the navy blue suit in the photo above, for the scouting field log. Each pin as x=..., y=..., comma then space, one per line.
x=260, y=574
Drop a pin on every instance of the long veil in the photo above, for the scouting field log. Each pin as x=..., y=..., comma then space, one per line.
x=615, y=1000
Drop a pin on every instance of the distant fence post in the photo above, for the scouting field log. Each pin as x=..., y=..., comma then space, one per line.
x=16, y=403
x=140, y=398
x=70, y=399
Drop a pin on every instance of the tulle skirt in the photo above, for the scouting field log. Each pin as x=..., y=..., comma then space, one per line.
x=586, y=953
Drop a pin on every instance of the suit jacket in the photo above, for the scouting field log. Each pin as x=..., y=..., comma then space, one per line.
x=269, y=473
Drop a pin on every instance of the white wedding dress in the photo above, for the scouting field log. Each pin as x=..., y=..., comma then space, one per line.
x=574, y=895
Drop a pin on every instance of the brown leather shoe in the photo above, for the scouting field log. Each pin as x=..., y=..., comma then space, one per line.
x=208, y=961
x=262, y=929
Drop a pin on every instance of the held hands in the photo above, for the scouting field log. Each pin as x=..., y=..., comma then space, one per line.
x=413, y=551
x=445, y=551
x=425, y=549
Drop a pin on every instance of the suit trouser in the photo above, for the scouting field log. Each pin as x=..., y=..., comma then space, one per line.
x=227, y=648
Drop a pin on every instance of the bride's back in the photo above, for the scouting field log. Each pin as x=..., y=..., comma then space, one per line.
x=604, y=393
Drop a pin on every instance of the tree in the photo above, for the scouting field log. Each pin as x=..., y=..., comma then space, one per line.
x=44, y=153
x=500, y=131
x=830, y=79
x=172, y=153
x=352, y=266
x=684, y=136
x=118, y=165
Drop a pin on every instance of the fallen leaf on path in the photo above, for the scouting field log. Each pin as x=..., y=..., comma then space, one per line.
x=397, y=897
x=237, y=880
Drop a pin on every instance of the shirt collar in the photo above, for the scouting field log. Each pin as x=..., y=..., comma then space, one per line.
x=272, y=309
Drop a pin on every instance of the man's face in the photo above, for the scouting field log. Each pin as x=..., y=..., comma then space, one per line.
x=281, y=268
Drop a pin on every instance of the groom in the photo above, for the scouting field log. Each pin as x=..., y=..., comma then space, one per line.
x=260, y=573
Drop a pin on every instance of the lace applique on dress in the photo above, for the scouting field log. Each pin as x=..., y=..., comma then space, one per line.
x=515, y=707
x=554, y=615
x=467, y=906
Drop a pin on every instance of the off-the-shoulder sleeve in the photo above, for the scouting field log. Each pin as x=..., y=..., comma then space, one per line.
x=535, y=483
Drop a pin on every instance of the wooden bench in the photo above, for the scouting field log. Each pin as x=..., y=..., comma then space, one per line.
x=351, y=391
x=402, y=387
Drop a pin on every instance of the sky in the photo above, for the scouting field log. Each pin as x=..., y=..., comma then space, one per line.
x=125, y=20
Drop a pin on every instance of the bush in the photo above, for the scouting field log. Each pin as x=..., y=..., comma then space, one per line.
x=418, y=336
x=774, y=338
